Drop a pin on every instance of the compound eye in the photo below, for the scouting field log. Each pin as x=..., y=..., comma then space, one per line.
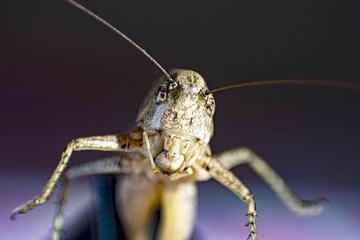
x=209, y=102
x=162, y=92
x=160, y=95
x=210, y=105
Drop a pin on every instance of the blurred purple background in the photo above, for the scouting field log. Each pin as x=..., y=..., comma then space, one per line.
x=64, y=75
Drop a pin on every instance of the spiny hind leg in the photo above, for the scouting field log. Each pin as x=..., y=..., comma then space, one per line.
x=137, y=198
x=229, y=180
x=178, y=211
x=108, y=165
x=243, y=155
x=100, y=143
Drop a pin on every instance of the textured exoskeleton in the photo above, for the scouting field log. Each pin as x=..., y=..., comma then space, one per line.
x=162, y=158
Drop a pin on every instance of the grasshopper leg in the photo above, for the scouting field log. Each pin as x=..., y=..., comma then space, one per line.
x=244, y=155
x=229, y=180
x=101, y=143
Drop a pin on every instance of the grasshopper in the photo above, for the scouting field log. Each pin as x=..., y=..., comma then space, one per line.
x=164, y=156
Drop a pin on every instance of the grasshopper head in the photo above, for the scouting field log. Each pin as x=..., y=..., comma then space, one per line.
x=182, y=111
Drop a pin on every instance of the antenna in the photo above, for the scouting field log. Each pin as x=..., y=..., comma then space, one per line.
x=92, y=14
x=327, y=83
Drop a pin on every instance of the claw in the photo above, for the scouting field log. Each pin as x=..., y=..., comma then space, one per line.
x=36, y=201
x=16, y=212
x=13, y=216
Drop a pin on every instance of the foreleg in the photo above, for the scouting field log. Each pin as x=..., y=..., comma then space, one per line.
x=101, y=143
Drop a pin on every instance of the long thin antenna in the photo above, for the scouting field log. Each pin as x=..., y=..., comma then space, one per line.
x=92, y=14
x=328, y=83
